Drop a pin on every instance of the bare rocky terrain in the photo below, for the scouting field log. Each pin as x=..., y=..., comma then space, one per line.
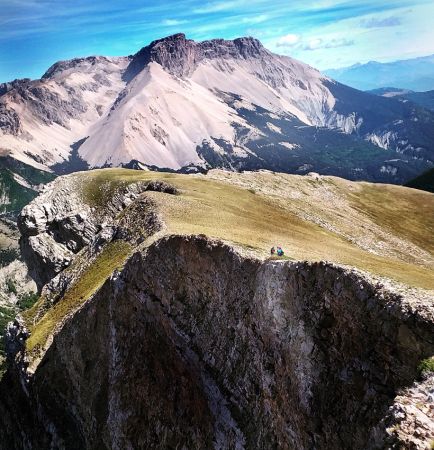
x=165, y=322
x=190, y=106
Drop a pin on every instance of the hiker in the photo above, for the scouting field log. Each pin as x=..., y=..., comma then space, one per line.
x=280, y=252
x=273, y=250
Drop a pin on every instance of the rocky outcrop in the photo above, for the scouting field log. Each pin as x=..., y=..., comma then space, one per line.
x=14, y=84
x=9, y=120
x=194, y=346
x=180, y=56
x=53, y=231
x=16, y=335
x=410, y=420
x=50, y=105
x=61, y=66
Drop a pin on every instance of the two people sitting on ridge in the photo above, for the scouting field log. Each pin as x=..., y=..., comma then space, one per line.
x=279, y=251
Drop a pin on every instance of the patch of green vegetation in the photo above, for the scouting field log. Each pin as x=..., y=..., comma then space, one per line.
x=29, y=173
x=101, y=186
x=18, y=195
x=425, y=367
x=27, y=300
x=7, y=314
x=8, y=255
x=11, y=286
x=112, y=257
x=98, y=195
x=280, y=258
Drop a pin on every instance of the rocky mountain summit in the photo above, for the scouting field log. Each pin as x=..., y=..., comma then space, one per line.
x=189, y=106
x=181, y=56
x=167, y=296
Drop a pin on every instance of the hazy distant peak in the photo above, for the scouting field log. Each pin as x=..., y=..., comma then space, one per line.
x=416, y=74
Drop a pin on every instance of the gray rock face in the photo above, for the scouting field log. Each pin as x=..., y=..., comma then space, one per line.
x=231, y=353
x=16, y=336
x=410, y=420
x=9, y=120
x=49, y=106
x=6, y=87
x=45, y=257
x=53, y=230
x=61, y=66
x=180, y=56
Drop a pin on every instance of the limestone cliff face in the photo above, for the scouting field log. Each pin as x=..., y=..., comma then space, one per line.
x=59, y=223
x=193, y=346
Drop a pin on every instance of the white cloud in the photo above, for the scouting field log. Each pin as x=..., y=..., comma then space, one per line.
x=289, y=40
x=318, y=43
x=173, y=22
x=257, y=19
x=314, y=44
x=216, y=7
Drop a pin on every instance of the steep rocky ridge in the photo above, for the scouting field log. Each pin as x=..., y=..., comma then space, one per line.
x=287, y=355
x=232, y=350
x=53, y=230
x=72, y=246
x=181, y=56
x=19, y=184
x=298, y=209
x=185, y=105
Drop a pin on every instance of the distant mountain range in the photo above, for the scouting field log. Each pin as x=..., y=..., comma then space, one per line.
x=186, y=106
x=416, y=74
x=424, y=99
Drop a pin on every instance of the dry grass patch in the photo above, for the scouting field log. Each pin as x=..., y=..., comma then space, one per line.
x=256, y=220
x=406, y=213
x=112, y=257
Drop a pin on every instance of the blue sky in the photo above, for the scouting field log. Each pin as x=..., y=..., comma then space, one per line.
x=324, y=33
